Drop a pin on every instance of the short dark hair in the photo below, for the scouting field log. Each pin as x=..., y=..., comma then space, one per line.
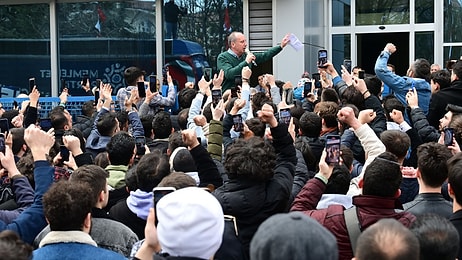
x=252, y=159
x=329, y=95
x=107, y=124
x=353, y=96
x=455, y=176
x=178, y=180
x=146, y=121
x=120, y=148
x=77, y=133
x=258, y=100
x=185, y=97
x=374, y=85
x=442, y=77
x=390, y=102
x=339, y=181
x=421, y=69
x=67, y=204
x=162, y=125
x=456, y=124
x=327, y=110
x=431, y=161
x=94, y=176
x=183, y=118
x=58, y=119
x=310, y=124
x=437, y=236
x=375, y=242
x=256, y=126
x=396, y=142
x=457, y=69
x=88, y=108
x=18, y=139
x=102, y=160
x=12, y=247
x=382, y=176
x=175, y=140
x=131, y=74
x=122, y=117
x=151, y=169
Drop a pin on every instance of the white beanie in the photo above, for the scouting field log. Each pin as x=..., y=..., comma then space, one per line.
x=191, y=223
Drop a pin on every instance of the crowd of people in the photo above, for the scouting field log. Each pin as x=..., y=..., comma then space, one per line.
x=87, y=187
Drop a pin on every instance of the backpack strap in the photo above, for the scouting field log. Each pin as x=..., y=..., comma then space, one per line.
x=353, y=226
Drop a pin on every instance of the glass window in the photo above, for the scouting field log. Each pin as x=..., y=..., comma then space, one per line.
x=341, y=44
x=341, y=14
x=24, y=48
x=424, y=11
x=452, y=53
x=452, y=21
x=382, y=12
x=425, y=46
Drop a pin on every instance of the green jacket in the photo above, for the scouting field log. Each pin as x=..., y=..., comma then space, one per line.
x=215, y=142
x=116, y=177
x=232, y=66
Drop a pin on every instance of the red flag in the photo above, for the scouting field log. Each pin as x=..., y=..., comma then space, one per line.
x=101, y=15
x=227, y=23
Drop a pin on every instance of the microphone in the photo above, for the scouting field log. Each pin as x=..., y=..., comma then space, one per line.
x=253, y=61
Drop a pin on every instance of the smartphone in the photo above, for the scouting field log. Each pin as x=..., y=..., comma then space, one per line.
x=307, y=88
x=141, y=89
x=448, y=136
x=216, y=96
x=284, y=115
x=361, y=74
x=63, y=85
x=317, y=80
x=322, y=58
x=140, y=142
x=164, y=76
x=347, y=65
x=45, y=124
x=64, y=153
x=234, y=92
x=4, y=125
x=98, y=83
x=153, y=83
x=237, y=80
x=238, y=124
x=207, y=74
x=84, y=79
x=158, y=193
x=2, y=143
x=96, y=95
x=31, y=84
x=333, y=149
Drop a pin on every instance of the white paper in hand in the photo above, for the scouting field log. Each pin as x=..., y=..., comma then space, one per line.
x=295, y=42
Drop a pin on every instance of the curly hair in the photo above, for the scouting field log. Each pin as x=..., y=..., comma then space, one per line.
x=67, y=204
x=253, y=159
x=94, y=176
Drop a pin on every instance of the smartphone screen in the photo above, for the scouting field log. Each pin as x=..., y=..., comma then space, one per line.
x=84, y=79
x=361, y=74
x=317, y=80
x=141, y=89
x=4, y=125
x=158, y=193
x=31, y=84
x=333, y=149
x=448, y=136
x=347, y=65
x=64, y=153
x=45, y=124
x=322, y=58
x=216, y=96
x=2, y=143
x=306, y=88
x=153, y=83
x=237, y=122
x=140, y=142
x=284, y=115
x=207, y=74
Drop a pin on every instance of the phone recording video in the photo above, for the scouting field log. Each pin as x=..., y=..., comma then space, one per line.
x=284, y=115
x=448, y=136
x=158, y=193
x=207, y=74
x=361, y=74
x=140, y=142
x=347, y=65
x=4, y=125
x=153, y=83
x=141, y=89
x=238, y=124
x=96, y=95
x=333, y=149
x=2, y=143
x=64, y=153
x=216, y=96
x=317, y=80
x=322, y=58
x=31, y=84
x=45, y=124
x=307, y=88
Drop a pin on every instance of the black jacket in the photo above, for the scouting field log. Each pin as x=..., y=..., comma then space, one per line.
x=84, y=124
x=123, y=214
x=456, y=220
x=429, y=203
x=439, y=101
x=426, y=132
x=253, y=202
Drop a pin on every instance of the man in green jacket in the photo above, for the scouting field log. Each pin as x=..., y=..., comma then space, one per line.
x=237, y=56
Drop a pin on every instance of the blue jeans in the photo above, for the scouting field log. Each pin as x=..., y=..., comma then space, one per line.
x=172, y=30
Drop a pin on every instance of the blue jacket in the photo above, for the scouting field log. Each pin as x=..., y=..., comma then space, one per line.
x=24, y=197
x=32, y=220
x=401, y=85
x=71, y=251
